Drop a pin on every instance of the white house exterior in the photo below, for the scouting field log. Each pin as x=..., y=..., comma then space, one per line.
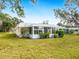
x=32, y=30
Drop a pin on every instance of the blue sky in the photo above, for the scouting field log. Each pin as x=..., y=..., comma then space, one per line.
x=41, y=11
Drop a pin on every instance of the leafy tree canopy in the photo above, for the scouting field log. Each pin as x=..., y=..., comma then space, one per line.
x=69, y=15
x=15, y=6
x=8, y=22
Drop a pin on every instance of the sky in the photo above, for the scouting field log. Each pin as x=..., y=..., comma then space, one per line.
x=41, y=11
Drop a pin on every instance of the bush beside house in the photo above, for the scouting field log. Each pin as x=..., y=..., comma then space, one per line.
x=44, y=35
x=59, y=33
x=56, y=34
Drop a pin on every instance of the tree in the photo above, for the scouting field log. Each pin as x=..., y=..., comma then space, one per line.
x=8, y=22
x=70, y=15
x=14, y=5
x=16, y=21
x=69, y=2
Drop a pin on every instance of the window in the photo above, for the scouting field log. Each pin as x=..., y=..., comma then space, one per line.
x=24, y=30
x=45, y=29
x=30, y=30
x=35, y=27
x=76, y=30
x=35, y=31
x=40, y=31
x=53, y=30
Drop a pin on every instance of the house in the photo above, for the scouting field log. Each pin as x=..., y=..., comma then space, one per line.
x=73, y=29
x=33, y=30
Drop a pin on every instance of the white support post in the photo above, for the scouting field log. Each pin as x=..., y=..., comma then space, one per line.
x=43, y=30
x=33, y=30
x=51, y=30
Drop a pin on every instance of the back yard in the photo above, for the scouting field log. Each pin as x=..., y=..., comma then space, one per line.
x=12, y=47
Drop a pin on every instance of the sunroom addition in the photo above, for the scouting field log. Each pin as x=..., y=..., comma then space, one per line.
x=33, y=30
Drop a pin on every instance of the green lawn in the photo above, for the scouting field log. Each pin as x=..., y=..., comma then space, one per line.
x=12, y=47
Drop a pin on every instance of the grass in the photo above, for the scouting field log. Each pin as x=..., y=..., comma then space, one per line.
x=12, y=47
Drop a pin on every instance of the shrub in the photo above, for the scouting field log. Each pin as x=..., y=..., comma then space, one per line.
x=55, y=35
x=60, y=33
x=56, y=32
x=47, y=35
x=1, y=30
x=41, y=34
x=44, y=35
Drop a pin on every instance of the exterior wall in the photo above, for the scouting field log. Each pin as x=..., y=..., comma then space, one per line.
x=37, y=36
x=76, y=32
x=34, y=36
x=18, y=32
